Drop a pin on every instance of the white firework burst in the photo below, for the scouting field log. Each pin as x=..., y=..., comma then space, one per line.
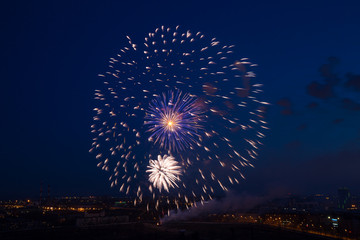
x=164, y=172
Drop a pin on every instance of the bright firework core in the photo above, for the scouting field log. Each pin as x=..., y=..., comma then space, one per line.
x=173, y=120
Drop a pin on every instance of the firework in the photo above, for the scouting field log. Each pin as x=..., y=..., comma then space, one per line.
x=182, y=94
x=173, y=121
x=164, y=172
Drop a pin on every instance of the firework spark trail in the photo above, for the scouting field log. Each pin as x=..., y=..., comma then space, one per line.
x=135, y=94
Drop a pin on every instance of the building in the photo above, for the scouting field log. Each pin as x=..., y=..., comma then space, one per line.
x=344, y=198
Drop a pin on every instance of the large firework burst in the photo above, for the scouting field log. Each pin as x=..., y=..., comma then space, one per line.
x=182, y=94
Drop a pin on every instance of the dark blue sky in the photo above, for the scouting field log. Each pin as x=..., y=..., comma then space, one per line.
x=52, y=52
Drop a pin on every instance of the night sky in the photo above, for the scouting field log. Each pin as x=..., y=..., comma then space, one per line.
x=309, y=61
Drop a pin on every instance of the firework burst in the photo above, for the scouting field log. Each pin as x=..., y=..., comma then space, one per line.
x=164, y=172
x=174, y=120
x=181, y=94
